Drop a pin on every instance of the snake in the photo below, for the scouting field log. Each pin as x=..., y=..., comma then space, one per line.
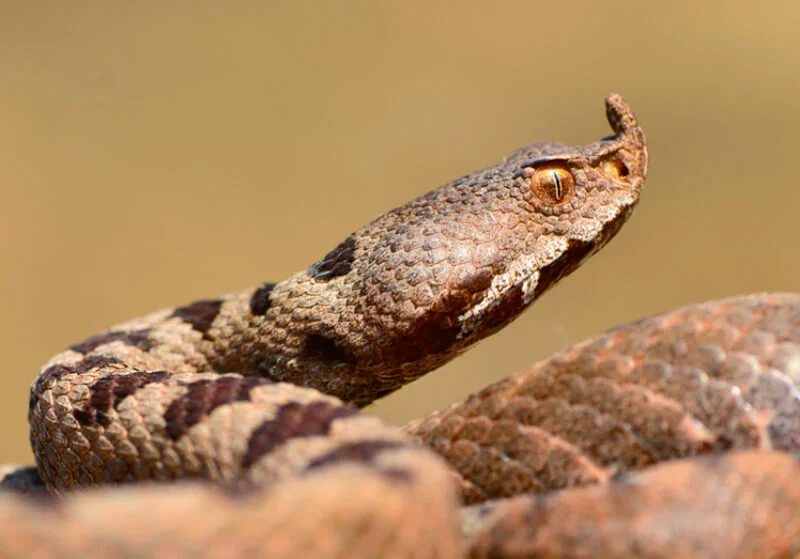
x=234, y=426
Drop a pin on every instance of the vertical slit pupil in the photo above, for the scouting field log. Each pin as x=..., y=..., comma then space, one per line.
x=558, y=185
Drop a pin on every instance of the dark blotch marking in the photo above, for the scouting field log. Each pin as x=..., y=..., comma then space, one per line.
x=50, y=374
x=54, y=372
x=293, y=420
x=199, y=314
x=361, y=451
x=397, y=474
x=505, y=311
x=137, y=338
x=204, y=396
x=337, y=262
x=33, y=398
x=110, y=391
x=26, y=481
x=85, y=417
x=433, y=334
x=576, y=253
x=324, y=349
x=260, y=303
x=87, y=363
x=437, y=331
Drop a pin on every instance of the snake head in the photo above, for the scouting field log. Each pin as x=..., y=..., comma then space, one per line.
x=424, y=281
x=474, y=254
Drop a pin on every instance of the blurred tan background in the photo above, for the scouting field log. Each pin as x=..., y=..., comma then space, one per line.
x=155, y=153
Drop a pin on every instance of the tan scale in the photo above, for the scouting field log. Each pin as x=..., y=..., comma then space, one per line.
x=248, y=405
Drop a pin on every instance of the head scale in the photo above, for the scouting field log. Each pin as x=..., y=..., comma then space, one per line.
x=423, y=282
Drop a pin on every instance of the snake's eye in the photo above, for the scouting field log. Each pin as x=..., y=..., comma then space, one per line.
x=552, y=185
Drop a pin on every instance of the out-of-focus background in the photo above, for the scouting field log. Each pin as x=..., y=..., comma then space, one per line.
x=152, y=153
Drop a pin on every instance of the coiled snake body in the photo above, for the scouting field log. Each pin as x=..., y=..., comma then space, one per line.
x=259, y=392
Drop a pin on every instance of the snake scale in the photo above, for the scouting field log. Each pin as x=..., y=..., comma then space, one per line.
x=675, y=436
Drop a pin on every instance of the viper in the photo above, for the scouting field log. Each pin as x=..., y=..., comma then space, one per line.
x=232, y=426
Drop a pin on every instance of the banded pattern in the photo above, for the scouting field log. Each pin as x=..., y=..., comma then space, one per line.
x=259, y=392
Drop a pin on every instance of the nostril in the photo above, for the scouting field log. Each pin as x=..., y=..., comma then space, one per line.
x=617, y=169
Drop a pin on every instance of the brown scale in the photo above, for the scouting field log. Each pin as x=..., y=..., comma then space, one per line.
x=742, y=505
x=707, y=378
x=259, y=392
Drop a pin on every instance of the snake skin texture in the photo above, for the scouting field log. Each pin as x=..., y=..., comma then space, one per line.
x=618, y=445
x=738, y=505
x=708, y=378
